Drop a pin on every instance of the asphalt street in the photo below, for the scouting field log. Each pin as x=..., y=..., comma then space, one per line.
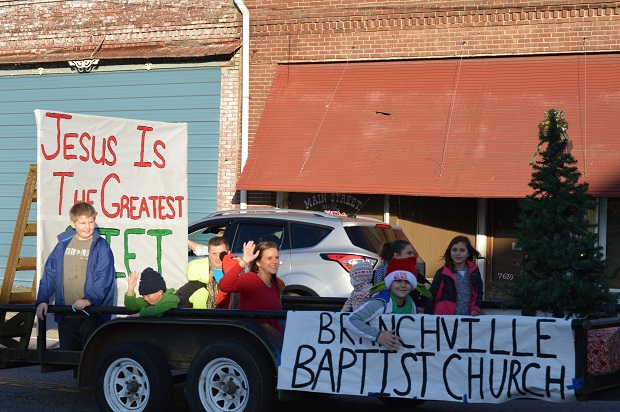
x=27, y=389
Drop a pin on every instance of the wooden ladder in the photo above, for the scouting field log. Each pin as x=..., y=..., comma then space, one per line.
x=15, y=330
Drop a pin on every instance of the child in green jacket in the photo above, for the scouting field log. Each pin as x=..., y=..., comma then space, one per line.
x=155, y=300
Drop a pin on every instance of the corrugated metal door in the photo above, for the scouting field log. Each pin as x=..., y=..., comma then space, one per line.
x=188, y=95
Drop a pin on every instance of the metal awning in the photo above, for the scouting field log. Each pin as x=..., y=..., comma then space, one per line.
x=448, y=128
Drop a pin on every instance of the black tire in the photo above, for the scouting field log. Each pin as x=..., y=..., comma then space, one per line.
x=133, y=377
x=230, y=376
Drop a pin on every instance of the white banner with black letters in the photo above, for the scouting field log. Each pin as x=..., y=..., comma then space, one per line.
x=484, y=359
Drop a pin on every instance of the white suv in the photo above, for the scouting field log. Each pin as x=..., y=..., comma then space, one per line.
x=316, y=249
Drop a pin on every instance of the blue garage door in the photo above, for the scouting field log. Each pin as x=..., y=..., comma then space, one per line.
x=187, y=95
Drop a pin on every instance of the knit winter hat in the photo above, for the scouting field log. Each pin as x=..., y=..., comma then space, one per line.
x=401, y=269
x=151, y=282
x=360, y=272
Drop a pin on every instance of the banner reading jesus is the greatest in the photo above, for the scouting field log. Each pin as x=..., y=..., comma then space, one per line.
x=134, y=172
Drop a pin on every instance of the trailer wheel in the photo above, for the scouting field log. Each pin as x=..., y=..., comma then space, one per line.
x=133, y=377
x=230, y=376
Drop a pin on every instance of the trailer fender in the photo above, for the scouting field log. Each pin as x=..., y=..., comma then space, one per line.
x=179, y=340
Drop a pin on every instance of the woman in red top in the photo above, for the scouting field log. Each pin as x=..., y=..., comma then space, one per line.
x=259, y=288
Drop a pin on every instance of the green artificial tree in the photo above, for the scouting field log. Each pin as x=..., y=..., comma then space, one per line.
x=563, y=270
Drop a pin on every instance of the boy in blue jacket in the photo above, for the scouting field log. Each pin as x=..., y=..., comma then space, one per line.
x=79, y=272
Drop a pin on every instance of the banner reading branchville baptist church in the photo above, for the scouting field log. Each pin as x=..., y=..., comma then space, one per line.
x=484, y=359
x=133, y=172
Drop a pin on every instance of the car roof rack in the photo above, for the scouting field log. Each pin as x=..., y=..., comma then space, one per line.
x=273, y=210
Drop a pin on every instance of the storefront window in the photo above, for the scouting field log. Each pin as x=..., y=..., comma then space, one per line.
x=613, y=243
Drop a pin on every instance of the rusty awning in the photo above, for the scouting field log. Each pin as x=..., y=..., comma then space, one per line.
x=443, y=127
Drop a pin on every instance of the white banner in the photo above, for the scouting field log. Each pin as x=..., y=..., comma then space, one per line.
x=134, y=172
x=484, y=359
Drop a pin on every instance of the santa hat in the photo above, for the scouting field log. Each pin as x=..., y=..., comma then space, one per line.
x=229, y=260
x=401, y=269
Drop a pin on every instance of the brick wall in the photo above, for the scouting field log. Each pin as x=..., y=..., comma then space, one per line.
x=348, y=30
x=42, y=26
x=310, y=31
x=230, y=134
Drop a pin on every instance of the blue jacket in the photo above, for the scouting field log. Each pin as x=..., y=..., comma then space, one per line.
x=100, y=274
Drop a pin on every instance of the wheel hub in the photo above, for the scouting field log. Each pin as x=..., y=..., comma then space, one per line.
x=132, y=386
x=229, y=387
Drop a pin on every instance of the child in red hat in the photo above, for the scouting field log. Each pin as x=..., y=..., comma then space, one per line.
x=400, y=280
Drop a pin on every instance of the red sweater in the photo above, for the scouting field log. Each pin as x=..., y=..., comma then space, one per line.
x=254, y=294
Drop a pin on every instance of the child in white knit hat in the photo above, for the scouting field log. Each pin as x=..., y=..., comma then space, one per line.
x=400, y=280
x=361, y=279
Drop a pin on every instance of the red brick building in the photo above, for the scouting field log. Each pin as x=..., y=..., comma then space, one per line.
x=424, y=112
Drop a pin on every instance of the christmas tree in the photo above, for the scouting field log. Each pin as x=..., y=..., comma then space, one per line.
x=563, y=270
